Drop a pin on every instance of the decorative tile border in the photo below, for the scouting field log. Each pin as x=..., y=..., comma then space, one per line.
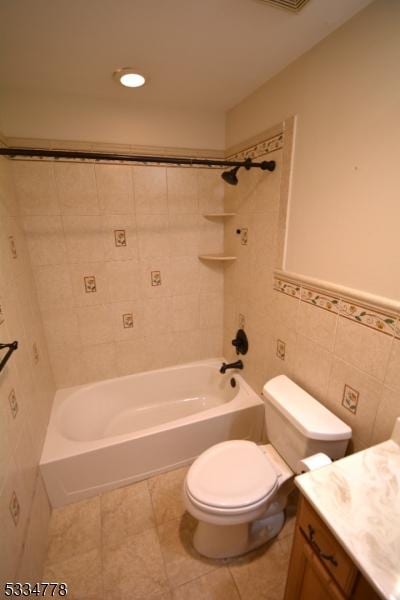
x=372, y=319
x=15, y=508
x=260, y=149
x=241, y=321
x=127, y=320
x=120, y=237
x=287, y=287
x=90, y=284
x=13, y=246
x=350, y=398
x=387, y=323
x=317, y=299
x=155, y=278
x=12, y=399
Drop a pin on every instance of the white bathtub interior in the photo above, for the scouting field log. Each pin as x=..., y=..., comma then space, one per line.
x=115, y=432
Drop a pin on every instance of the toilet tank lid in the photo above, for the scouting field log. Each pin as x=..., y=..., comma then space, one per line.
x=309, y=417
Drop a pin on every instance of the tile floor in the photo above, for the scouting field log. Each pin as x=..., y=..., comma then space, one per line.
x=134, y=544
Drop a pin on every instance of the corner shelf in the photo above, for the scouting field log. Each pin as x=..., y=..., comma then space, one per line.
x=218, y=215
x=217, y=257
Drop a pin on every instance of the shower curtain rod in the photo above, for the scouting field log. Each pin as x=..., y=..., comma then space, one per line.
x=78, y=154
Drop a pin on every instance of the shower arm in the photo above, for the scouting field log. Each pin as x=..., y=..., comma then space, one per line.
x=11, y=347
x=168, y=160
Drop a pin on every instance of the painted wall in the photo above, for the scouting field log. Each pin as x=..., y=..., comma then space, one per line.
x=344, y=209
x=26, y=393
x=114, y=250
x=111, y=121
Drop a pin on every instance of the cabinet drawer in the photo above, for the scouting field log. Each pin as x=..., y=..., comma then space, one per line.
x=326, y=547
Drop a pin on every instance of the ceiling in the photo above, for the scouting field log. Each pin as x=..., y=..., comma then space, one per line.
x=198, y=54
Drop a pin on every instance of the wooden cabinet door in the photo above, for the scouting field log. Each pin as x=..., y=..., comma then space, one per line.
x=307, y=577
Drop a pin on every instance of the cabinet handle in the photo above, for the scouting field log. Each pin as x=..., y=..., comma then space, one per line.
x=329, y=557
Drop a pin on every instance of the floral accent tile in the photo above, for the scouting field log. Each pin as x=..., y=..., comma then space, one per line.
x=286, y=287
x=12, y=398
x=15, y=508
x=280, y=349
x=2, y=317
x=350, y=398
x=127, y=320
x=244, y=236
x=326, y=302
x=241, y=321
x=156, y=278
x=90, y=284
x=35, y=352
x=13, y=246
x=120, y=237
x=380, y=322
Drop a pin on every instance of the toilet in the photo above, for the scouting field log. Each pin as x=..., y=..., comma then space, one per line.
x=237, y=490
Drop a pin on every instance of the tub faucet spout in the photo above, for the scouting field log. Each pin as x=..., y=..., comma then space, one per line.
x=236, y=365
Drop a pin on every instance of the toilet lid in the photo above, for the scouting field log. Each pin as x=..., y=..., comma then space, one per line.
x=231, y=474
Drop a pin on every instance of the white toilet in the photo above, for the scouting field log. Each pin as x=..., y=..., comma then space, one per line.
x=237, y=490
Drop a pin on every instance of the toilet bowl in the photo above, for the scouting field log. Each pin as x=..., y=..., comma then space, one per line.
x=238, y=490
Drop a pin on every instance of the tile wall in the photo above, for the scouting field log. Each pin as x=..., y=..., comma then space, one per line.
x=344, y=352
x=26, y=393
x=114, y=250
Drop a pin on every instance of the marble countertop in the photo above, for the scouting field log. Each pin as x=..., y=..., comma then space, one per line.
x=358, y=497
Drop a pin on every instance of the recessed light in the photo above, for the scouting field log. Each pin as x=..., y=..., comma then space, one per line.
x=129, y=78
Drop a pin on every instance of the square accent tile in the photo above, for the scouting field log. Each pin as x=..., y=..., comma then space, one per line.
x=120, y=237
x=280, y=349
x=156, y=278
x=241, y=321
x=35, y=353
x=15, y=508
x=127, y=320
x=350, y=399
x=2, y=318
x=13, y=246
x=12, y=398
x=90, y=284
x=244, y=237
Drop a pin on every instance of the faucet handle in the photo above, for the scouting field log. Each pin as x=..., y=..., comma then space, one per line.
x=241, y=342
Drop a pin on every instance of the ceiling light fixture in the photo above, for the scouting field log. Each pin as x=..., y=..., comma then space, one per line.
x=129, y=78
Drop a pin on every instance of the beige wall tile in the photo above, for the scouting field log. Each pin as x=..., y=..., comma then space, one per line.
x=61, y=327
x=115, y=189
x=392, y=378
x=123, y=280
x=76, y=187
x=157, y=316
x=185, y=312
x=211, y=237
x=211, y=277
x=128, y=247
x=53, y=285
x=211, y=311
x=150, y=184
x=312, y=366
x=95, y=324
x=153, y=237
x=184, y=235
x=35, y=186
x=45, y=238
x=98, y=270
x=98, y=362
x=387, y=413
x=370, y=391
x=84, y=238
x=211, y=342
x=67, y=370
x=185, y=274
x=363, y=347
x=317, y=324
x=133, y=356
x=182, y=190
x=211, y=191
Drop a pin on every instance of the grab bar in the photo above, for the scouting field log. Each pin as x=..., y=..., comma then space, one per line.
x=11, y=347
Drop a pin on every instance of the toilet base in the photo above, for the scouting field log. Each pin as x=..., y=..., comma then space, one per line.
x=227, y=541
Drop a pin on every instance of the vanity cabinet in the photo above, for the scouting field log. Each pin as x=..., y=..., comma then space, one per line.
x=319, y=568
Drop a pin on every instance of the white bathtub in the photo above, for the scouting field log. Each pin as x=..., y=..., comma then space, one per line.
x=111, y=433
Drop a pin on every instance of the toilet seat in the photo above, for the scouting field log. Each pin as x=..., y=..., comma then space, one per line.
x=231, y=478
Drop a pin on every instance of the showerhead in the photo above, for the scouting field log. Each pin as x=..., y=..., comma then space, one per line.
x=230, y=176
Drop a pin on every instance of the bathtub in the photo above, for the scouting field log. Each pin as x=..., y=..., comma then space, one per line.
x=114, y=432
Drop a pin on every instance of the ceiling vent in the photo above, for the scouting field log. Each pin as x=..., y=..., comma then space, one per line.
x=292, y=5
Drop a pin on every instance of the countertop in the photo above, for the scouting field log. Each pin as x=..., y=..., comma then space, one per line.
x=358, y=497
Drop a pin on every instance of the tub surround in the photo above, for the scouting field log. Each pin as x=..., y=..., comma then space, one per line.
x=358, y=498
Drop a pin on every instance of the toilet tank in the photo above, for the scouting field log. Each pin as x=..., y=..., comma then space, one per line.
x=297, y=425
